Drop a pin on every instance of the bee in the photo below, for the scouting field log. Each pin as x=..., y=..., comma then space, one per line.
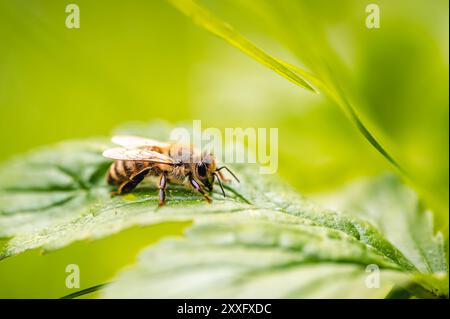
x=172, y=163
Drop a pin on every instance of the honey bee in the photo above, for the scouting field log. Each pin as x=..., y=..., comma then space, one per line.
x=173, y=163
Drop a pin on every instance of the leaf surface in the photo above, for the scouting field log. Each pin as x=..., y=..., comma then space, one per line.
x=56, y=195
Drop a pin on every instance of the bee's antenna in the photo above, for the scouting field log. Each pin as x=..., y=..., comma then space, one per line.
x=229, y=171
x=220, y=184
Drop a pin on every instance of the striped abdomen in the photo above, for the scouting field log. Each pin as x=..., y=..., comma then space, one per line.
x=121, y=171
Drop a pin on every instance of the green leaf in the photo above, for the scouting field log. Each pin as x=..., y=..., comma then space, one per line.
x=397, y=212
x=56, y=195
x=308, y=253
x=256, y=259
x=51, y=185
x=208, y=21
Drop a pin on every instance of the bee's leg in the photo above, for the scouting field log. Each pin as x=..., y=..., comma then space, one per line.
x=200, y=190
x=126, y=187
x=162, y=189
x=122, y=189
x=131, y=184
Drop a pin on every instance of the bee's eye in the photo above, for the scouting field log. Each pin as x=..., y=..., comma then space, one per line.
x=201, y=168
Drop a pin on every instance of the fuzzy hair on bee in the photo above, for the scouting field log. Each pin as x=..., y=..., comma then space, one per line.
x=138, y=157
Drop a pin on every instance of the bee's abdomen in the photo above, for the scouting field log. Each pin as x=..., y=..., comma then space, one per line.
x=121, y=171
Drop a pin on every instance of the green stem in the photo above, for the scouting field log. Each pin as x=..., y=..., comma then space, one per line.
x=85, y=291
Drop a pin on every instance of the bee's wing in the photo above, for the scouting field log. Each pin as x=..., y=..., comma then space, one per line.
x=129, y=141
x=137, y=154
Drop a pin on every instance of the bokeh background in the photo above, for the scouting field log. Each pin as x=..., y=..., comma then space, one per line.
x=143, y=60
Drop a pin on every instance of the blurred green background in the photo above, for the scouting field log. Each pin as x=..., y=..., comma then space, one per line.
x=143, y=60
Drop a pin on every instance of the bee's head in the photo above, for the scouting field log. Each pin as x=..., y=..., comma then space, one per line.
x=204, y=171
